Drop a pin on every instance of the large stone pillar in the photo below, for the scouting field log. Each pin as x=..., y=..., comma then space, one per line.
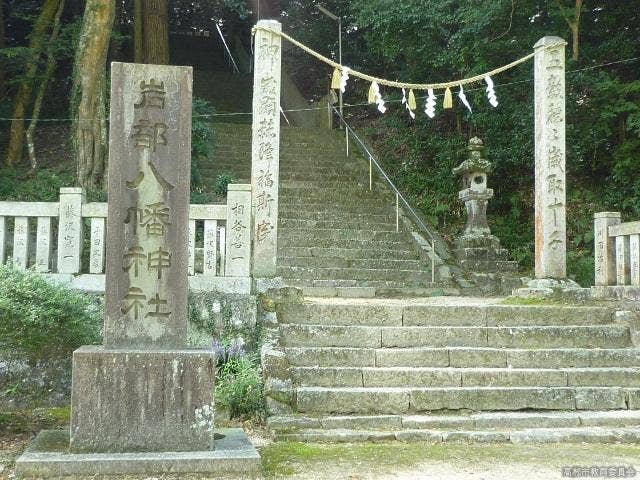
x=550, y=173
x=265, y=149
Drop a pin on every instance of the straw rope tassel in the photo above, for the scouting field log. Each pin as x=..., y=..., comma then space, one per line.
x=448, y=99
x=335, y=80
x=372, y=93
x=412, y=101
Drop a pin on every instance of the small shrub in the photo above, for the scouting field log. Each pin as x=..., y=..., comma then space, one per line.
x=222, y=183
x=239, y=386
x=41, y=319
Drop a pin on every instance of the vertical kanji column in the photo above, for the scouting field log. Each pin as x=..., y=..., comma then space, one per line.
x=265, y=149
x=550, y=173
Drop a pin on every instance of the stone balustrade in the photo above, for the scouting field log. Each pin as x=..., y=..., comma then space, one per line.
x=65, y=240
x=617, y=256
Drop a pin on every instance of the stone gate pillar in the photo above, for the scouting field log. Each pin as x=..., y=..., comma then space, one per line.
x=265, y=148
x=550, y=187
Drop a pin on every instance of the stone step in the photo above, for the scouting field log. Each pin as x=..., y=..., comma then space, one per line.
x=337, y=216
x=401, y=400
x=483, y=421
x=383, y=288
x=489, y=266
x=312, y=242
x=342, y=234
x=365, y=224
x=417, y=313
x=600, y=435
x=605, y=336
x=289, y=206
x=389, y=274
x=461, y=357
x=388, y=263
x=404, y=291
x=464, y=377
x=346, y=253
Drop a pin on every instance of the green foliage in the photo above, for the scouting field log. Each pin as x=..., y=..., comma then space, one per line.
x=44, y=186
x=222, y=183
x=201, y=138
x=41, y=319
x=239, y=387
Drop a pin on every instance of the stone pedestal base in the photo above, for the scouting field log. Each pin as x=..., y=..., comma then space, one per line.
x=619, y=292
x=141, y=400
x=483, y=254
x=48, y=457
x=549, y=287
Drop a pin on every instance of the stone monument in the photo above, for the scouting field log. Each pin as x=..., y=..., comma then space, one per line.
x=144, y=390
x=477, y=249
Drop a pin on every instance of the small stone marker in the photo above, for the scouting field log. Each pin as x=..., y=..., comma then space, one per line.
x=43, y=244
x=605, y=251
x=21, y=242
x=70, y=230
x=265, y=149
x=238, y=248
x=147, y=230
x=550, y=209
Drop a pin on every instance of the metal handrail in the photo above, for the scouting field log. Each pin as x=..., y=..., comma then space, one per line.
x=399, y=196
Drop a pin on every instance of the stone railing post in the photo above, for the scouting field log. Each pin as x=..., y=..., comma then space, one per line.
x=70, y=229
x=605, y=252
x=238, y=240
x=550, y=187
x=265, y=148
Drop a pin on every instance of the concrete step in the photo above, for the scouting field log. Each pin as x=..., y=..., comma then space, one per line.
x=473, y=421
x=346, y=253
x=438, y=313
x=604, y=336
x=361, y=263
x=460, y=357
x=464, y=377
x=403, y=400
x=389, y=274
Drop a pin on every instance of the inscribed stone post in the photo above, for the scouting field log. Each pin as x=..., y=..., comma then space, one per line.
x=70, y=229
x=265, y=148
x=147, y=232
x=43, y=244
x=605, y=251
x=550, y=187
x=239, y=230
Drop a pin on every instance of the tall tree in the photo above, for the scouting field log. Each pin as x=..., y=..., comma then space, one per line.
x=151, y=31
x=572, y=17
x=36, y=45
x=88, y=92
x=3, y=88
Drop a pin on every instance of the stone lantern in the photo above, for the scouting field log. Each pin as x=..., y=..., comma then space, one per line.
x=477, y=249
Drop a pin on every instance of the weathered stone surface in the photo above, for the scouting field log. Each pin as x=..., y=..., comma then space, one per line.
x=633, y=397
x=487, y=377
x=437, y=421
x=274, y=363
x=609, y=336
x=604, y=377
x=573, y=357
x=238, y=232
x=478, y=398
x=280, y=390
x=408, y=377
x=321, y=313
x=265, y=149
x=507, y=315
x=327, y=356
x=148, y=213
x=450, y=315
x=369, y=422
x=550, y=184
x=433, y=336
x=476, y=436
x=477, y=357
x=137, y=400
x=419, y=436
x=70, y=230
x=517, y=420
x=330, y=336
x=352, y=400
x=48, y=457
x=600, y=398
x=290, y=423
x=327, y=376
x=565, y=435
x=411, y=357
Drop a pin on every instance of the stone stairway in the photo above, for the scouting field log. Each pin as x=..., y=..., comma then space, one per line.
x=335, y=236
x=451, y=369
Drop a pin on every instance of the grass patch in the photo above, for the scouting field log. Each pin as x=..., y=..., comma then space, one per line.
x=285, y=459
x=31, y=421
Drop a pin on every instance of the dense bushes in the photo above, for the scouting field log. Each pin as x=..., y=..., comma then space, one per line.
x=40, y=319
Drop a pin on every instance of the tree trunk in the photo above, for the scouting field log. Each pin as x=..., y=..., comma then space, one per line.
x=88, y=109
x=42, y=88
x=155, y=32
x=23, y=97
x=138, y=38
